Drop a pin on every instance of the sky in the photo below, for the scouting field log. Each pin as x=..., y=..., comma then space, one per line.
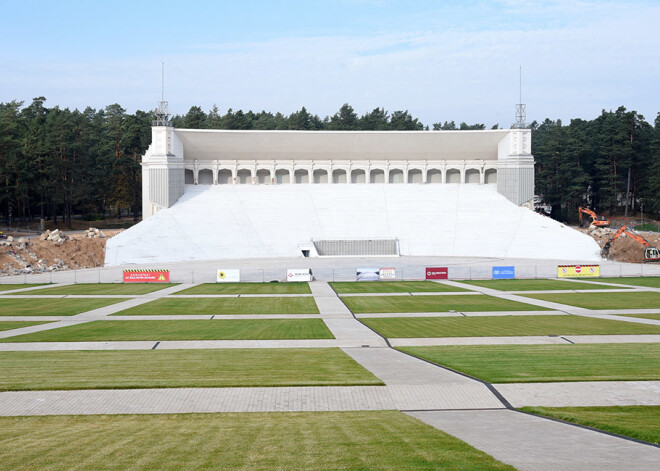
x=440, y=60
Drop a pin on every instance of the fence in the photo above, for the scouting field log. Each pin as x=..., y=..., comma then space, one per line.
x=403, y=272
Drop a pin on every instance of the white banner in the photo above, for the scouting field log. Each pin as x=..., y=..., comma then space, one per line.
x=387, y=273
x=367, y=274
x=228, y=276
x=298, y=274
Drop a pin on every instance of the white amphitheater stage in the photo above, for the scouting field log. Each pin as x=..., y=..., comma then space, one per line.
x=212, y=222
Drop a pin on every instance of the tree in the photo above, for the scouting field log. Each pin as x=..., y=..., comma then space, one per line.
x=344, y=120
x=195, y=118
x=376, y=120
x=403, y=121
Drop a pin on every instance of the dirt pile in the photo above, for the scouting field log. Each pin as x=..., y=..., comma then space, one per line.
x=38, y=254
x=624, y=248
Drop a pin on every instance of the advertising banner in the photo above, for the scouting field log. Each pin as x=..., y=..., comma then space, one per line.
x=386, y=273
x=437, y=273
x=299, y=274
x=578, y=271
x=146, y=276
x=368, y=274
x=503, y=273
x=228, y=276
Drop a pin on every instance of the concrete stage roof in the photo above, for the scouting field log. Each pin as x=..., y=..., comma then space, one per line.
x=204, y=144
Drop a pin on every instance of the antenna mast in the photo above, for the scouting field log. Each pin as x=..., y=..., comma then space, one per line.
x=162, y=112
x=521, y=109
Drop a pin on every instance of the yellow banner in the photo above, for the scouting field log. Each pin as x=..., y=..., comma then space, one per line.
x=577, y=271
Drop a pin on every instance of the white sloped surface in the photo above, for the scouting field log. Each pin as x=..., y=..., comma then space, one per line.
x=248, y=221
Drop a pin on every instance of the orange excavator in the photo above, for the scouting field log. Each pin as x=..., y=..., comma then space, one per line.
x=596, y=220
x=651, y=254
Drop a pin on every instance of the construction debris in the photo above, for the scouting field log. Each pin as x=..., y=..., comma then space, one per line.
x=52, y=251
x=93, y=233
x=623, y=249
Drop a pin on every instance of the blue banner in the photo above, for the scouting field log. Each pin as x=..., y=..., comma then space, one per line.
x=501, y=273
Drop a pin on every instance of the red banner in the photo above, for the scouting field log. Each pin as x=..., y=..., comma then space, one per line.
x=146, y=276
x=437, y=273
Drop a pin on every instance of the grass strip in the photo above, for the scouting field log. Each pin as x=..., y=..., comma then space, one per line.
x=52, y=307
x=180, y=369
x=446, y=303
x=257, y=441
x=345, y=287
x=9, y=287
x=248, y=329
x=9, y=325
x=249, y=288
x=640, y=422
x=503, y=326
x=648, y=281
x=533, y=285
x=548, y=363
x=104, y=288
x=638, y=300
x=182, y=306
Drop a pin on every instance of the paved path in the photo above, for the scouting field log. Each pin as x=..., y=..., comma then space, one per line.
x=537, y=444
x=582, y=394
x=523, y=340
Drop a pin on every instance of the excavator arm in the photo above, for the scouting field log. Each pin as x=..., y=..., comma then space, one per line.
x=651, y=254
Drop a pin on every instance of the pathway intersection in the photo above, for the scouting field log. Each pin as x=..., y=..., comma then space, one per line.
x=477, y=412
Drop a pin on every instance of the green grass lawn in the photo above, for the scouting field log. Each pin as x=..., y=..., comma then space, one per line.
x=650, y=281
x=248, y=329
x=9, y=325
x=640, y=422
x=255, y=441
x=104, y=288
x=445, y=303
x=532, y=285
x=639, y=300
x=548, y=363
x=9, y=287
x=180, y=368
x=52, y=307
x=503, y=326
x=343, y=287
x=249, y=288
x=181, y=306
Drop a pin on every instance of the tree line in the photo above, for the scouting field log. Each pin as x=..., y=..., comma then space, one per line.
x=610, y=164
x=59, y=163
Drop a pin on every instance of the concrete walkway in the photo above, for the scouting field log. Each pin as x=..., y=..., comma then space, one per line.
x=582, y=394
x=536, y=444
x=523, y=340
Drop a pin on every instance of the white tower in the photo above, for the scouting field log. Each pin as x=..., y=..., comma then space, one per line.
x=162, y=164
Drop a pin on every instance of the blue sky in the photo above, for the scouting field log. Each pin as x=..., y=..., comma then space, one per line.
x=441, y=60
